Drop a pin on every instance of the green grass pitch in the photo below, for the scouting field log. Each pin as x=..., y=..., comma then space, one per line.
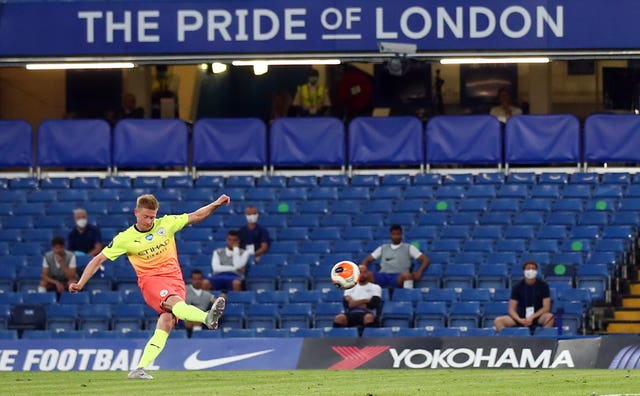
x=323, y=382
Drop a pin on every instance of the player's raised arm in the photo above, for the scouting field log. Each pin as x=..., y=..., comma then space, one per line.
x=88, y=272
x=206, y=211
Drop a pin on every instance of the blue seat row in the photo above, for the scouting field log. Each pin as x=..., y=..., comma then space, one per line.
x=303, y=142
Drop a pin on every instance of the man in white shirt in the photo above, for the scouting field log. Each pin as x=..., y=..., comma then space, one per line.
x=506, y=109
x=228, y=264
x=361, y=302
x=396, y=261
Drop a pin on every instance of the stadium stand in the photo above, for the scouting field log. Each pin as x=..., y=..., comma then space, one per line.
x=476, y=228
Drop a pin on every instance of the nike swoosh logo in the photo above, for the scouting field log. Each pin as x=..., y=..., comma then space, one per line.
x=193, y=363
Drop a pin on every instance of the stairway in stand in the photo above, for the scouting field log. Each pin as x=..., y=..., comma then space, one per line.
x=626, y=318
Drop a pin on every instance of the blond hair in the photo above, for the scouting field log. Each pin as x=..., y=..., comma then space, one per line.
x=147, y=201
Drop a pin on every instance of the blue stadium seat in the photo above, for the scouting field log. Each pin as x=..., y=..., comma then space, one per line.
x=334, y=181
x=306, y=296
x=480, y=332
x=515, y=332
x=515, y=191
x=40, y=298
x=326, y=193
x=261, y=194
x=431, y=278
x=595, y=278
x=265, y=315
x=178, y=182
x=139, y=143
x=572, y=317
x=295, y=315
x=463, y=179
x=413, y=296
x=448, y=296
x=233, y=318
x=26, y=183
x=262, y=277
x=16, y=146
x=341, y=332
x=312, y=209
x=396, y=180
x=423, y=232
x=35, y=334
x=504, y=205
x=446, y=245
x=553, y=178
x=147, y=182
x=473, y=205
x=445, y=332
x=479, y=295
x=464, y=314
x=580, y=295
x=325, y=312
x=581, y=191
x=469, y=218
x=496, y=218
x=302, y=181
x=377, y=332
x=519, y=231
x=470, y=257
x=552, y=232
x=42, y=196
x=543, y=245
x=456, y=231
x=239, y=333
x=398, y=314
x=427, y=179
x=545, y=191
x=113, y=182
x=365, y=180
x=450, y=192
x=74, y=299
x=206, y=334
x=307, y=333
x=501, y=295
x=377, y=206
x=419, y=192
x=272, y=333
x=128, y=317
x=412, y=332
x=95, y=317
x=62, y=317
x=348, y=247
x=295, y=277
x=346, y=207
x=550, y=332
x=511, y=245
x=527, y=178
x=431, y=313
x=108, y=297
x=433, y=219
x=590, y=178
x=336, y=220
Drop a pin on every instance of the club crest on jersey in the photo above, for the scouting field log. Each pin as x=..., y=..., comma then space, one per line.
x=163, y=292
x=162, y=231
x=149, y=237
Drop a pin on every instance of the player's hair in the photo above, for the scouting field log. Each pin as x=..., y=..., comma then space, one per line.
x=147, y=201
x=395, y=227
x=529, y=262
x=233, y=233
x=57, y=241
x=196, y=272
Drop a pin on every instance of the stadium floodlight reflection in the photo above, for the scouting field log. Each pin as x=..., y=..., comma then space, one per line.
x=72, y=66
x=474, y=60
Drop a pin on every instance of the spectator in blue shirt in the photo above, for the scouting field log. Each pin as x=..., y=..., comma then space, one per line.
x=253, y=237
x=85, y=238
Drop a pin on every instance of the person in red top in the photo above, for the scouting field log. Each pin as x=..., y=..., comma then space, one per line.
x=151, y=248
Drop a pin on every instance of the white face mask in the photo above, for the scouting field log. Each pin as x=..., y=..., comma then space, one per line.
x=252, y=218
x=81, y=223
x=530, y=274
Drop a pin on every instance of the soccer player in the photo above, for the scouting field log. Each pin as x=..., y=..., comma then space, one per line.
x=151, y=248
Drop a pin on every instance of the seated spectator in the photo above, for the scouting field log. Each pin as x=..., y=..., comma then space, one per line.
x=198, y=297
x=58, y=268
x=396, y=261
x=129, y=107
x=505, y=109
x=253, y=237
x=228, y=264
x=85, y=238
x=530, y=302
x=362, y=303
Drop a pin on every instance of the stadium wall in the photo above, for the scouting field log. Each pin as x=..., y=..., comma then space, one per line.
x=606, y=352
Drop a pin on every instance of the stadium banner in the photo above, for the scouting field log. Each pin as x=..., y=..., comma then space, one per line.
x=124, y=354
x=449, y=353
x=84, y=28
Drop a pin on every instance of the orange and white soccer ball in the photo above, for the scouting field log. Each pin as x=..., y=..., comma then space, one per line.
x=345, y=275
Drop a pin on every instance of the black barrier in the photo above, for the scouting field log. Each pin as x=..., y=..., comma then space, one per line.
x=451, y=353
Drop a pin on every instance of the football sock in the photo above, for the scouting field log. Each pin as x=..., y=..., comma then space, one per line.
x=184, y=311
x=153, y=348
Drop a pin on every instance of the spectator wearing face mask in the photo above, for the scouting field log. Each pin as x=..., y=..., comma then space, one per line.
x=85, y=238
x=312, y=98
x=530, y=302
x=253, y=237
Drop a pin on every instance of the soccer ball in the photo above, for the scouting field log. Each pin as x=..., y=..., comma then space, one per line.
x=345, y=275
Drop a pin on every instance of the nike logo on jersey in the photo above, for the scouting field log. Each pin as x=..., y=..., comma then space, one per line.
x=193, y=363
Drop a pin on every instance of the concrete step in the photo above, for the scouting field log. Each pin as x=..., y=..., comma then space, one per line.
x=631, y=302
x=627, y=314
x=635, y=289
x=624, y=327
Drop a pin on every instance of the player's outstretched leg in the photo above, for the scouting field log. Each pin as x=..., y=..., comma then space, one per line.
x=188, y=312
